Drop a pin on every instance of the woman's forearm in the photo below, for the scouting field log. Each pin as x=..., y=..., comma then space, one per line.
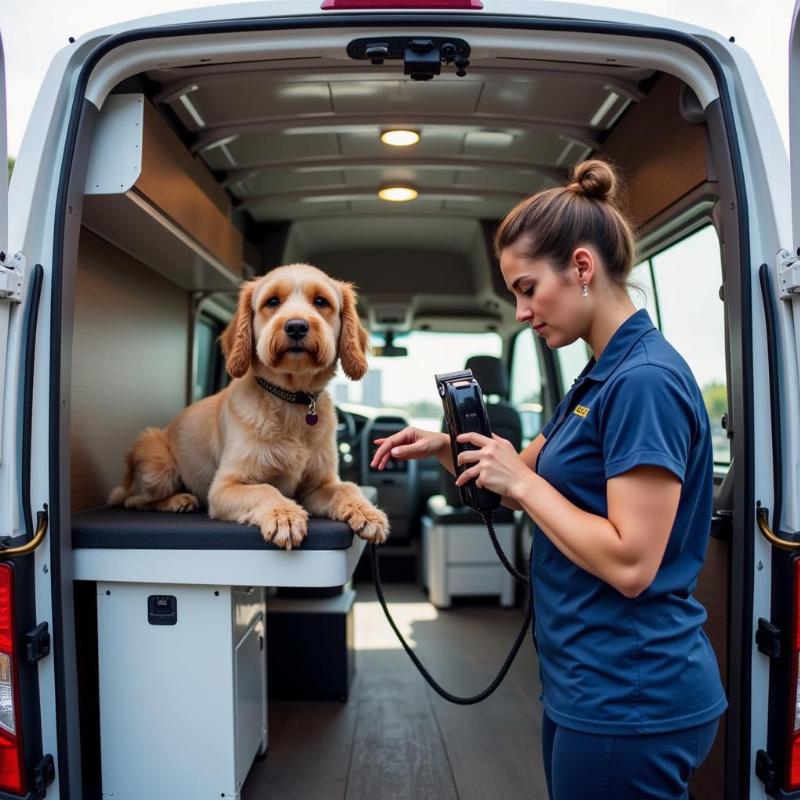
x=589, y=540
x=445, y=455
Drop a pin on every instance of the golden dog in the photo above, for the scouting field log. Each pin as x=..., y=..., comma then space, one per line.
x=270, y=435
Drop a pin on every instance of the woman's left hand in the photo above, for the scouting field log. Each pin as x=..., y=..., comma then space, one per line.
x=495, y=465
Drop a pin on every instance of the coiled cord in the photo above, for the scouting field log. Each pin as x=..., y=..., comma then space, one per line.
x=442, y=692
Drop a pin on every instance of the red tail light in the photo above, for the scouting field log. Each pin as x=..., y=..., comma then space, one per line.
x=793, y=750
x=343, y=5
x=12, y=774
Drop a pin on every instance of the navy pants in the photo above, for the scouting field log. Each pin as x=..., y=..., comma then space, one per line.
x=657, y=766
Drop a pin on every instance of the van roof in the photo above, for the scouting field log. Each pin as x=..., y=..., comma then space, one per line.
x=292, y=8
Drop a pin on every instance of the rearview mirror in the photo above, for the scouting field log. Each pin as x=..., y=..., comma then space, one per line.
x=388, y=350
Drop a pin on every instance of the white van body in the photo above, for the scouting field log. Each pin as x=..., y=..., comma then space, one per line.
x=53, y=159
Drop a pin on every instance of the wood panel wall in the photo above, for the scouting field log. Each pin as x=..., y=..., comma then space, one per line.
x=661, y=157
x=129, y=363
x=714, y=593
x=182, y=188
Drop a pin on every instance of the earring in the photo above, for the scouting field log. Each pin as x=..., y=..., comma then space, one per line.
x=585, y=289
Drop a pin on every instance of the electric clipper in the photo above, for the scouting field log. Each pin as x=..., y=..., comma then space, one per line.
x=465, y=412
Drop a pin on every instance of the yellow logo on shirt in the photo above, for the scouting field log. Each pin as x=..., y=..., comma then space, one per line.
x=581, y=411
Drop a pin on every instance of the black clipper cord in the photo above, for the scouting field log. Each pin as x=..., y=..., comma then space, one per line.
x=463, y=701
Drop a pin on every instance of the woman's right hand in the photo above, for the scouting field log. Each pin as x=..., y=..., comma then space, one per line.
x=411, y=443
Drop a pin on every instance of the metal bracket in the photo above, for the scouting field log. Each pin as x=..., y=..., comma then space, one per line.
x=788, y=274
x=12, y=274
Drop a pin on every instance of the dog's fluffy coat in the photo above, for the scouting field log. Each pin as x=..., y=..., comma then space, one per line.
x=247, y=453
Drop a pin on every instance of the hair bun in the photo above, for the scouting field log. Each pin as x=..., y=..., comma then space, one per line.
x=595, y=179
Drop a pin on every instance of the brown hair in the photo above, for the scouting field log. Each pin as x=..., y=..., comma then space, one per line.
x=555, y=221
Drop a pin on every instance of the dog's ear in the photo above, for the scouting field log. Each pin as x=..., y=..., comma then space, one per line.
x=354, y=339
x=237, y=338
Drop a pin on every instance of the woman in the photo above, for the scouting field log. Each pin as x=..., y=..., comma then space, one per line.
x=619, y=487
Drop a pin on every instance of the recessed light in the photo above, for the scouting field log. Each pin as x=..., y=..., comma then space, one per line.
x=398, y=194
x=400, y=138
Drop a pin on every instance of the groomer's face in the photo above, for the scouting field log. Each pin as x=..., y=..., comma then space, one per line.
x=548, y=301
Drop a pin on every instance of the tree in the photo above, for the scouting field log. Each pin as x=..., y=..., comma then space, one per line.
x=715, y=396
x=11, y=162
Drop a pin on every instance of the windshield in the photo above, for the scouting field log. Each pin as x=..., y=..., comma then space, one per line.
x=407, y=382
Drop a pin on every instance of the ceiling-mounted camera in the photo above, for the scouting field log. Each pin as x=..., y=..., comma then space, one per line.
x=422, y=56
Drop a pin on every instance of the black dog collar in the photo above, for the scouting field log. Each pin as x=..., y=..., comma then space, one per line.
x=303, y=398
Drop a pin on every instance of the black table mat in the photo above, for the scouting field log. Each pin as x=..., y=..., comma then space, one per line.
x=119, y=528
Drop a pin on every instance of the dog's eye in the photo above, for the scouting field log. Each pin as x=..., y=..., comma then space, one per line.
x=273, y=302
x=320, y=301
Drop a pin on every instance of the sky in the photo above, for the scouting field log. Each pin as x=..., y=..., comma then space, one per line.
x=34, y=30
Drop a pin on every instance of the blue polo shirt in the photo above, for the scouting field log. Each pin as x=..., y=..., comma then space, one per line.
x=611, y=664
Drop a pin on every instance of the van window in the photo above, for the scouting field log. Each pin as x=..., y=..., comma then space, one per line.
x=685, y=304
x=526, y=384
x=572, y=358
x=407, y=382
x=209, y=369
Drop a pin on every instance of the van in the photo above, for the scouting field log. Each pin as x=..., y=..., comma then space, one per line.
x=169, y=158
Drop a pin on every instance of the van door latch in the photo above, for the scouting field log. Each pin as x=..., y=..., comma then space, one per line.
x=12, y=273
x=37, y=643
x=766, y=771
x=44, y=773
x=789, y=273
x=768, y=639
x=422, y=56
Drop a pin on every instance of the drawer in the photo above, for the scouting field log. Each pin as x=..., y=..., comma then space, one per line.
x=471, y=543
x=475, y=579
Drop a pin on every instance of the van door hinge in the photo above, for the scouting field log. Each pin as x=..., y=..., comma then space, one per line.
x=768, y=639
x=788, y=273
x=44, y=773
x=12, y=274
x=765, y=771
x=37, y=643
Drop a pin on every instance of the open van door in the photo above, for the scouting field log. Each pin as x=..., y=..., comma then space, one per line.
x=25, y=771
x=6, y=279
x=794, y=121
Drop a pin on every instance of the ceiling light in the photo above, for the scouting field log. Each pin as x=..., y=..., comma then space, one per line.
x=400, y=138
x=398, y=194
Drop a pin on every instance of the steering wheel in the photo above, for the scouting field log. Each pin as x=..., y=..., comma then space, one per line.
x=345, y=427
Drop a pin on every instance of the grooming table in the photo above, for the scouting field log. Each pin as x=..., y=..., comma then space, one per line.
x=181, y=636
x=113, y=544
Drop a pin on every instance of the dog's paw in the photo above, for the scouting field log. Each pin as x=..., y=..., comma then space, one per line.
x=181, y=503
x=368, y=522
x=284, y=525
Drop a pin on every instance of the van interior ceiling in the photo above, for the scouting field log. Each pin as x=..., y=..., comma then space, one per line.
x=249, y=165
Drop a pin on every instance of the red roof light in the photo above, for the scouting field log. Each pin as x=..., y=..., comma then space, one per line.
x=345, y=5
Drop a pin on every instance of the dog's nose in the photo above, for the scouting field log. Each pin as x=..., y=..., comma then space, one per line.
x=296, y=329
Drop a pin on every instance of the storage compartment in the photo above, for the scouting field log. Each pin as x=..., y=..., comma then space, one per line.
x=182, y=702
x=148, y=196
x=311, y=648
x=459, y=560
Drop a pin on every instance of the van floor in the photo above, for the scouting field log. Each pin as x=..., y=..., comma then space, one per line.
x=396, y=738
